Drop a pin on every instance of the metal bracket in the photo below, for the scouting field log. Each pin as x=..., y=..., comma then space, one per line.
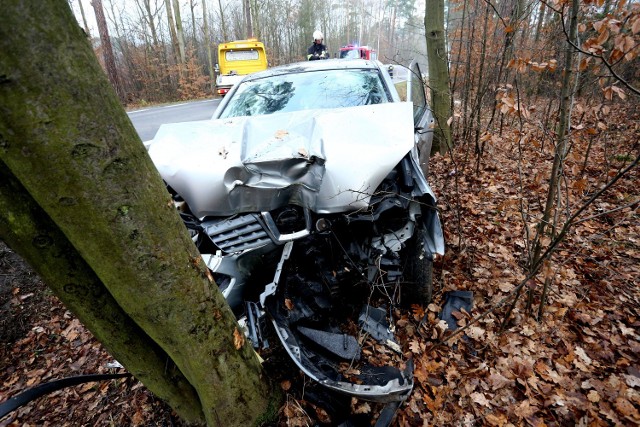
x=271, y=288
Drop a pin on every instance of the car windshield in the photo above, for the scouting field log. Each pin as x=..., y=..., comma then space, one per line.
x=306, y=91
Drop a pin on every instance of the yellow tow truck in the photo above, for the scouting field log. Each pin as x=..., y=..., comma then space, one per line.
x=236, y=59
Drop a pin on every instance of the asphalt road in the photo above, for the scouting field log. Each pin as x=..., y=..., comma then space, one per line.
x=148, y=120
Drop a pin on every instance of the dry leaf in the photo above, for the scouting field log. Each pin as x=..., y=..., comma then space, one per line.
x=635, y=28
x=631, y=380
x=499, y=420
x=506, y=286
x=280, y=134
x=238, y=339
x=630, y=332
x=583, y=355
x=480, y=399
x=363, y=408
x=138, y=418
x=626, y=408
x=498, y=381
x=285, y=385
x=476, y=333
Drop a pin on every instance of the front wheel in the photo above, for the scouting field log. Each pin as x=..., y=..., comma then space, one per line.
x=418, y=273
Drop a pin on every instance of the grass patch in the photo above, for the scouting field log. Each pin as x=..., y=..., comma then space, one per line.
x=401, y=87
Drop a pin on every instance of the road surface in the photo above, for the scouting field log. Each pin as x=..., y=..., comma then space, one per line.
x=148, y=120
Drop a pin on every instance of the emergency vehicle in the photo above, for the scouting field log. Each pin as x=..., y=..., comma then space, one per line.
x=236, y=59
x=352, y=51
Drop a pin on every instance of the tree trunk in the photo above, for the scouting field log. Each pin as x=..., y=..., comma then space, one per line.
x=107, y=50
x=223, y=22
x=540, y=22
x=172, y=31
x=65, y=137
x=207, y=45
x=247, y=17
x=255, y=26
x=566, y=99
x=469, y=77
x=179, y=31
x=392, y=31
x=84, y=20
x=480, y=90
x=194, y=33
x=149, y=19
x=438, y=72
x=453, y=29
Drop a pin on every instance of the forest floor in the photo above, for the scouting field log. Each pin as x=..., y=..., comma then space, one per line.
x=579, y=364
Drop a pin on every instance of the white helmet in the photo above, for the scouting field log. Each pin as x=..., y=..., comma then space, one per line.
x=317, y=35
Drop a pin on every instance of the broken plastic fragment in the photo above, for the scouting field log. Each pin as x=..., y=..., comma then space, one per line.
x=342, y=345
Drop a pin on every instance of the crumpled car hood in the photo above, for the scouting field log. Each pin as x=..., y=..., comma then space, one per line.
x=326, y=160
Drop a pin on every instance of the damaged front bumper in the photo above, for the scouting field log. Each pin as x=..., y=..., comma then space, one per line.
x=318, y=344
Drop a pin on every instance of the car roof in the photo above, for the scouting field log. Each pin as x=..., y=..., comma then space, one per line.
x=319, y=65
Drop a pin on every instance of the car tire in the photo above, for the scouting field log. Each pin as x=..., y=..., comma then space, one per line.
x=418, y=273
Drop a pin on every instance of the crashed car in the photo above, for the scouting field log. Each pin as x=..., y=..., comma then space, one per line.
x=306, y=198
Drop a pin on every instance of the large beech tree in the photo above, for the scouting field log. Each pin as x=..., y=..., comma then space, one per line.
x=82, y=202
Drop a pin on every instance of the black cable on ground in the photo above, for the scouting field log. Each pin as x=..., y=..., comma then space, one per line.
x=33, y=393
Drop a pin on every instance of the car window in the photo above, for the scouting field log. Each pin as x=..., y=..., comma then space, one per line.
x=307, y=90
x=241, y=55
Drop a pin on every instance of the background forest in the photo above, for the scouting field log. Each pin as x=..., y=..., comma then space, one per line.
x=538, y=194
x=161, y=49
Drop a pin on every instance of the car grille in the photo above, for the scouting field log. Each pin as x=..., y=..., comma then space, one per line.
x=238, y=234
x=251, y=231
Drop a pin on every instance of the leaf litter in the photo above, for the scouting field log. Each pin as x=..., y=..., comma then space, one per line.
x=579, y=364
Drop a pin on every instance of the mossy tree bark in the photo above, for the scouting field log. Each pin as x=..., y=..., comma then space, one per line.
x=29, y=231
x=66, y=140
x=438, y=73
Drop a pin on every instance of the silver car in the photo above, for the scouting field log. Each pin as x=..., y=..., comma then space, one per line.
x=307, y=200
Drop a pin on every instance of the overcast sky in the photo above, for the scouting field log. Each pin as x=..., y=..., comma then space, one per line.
x=88, y=13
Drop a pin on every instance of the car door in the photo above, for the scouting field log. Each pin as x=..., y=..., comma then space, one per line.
x=423, y=120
